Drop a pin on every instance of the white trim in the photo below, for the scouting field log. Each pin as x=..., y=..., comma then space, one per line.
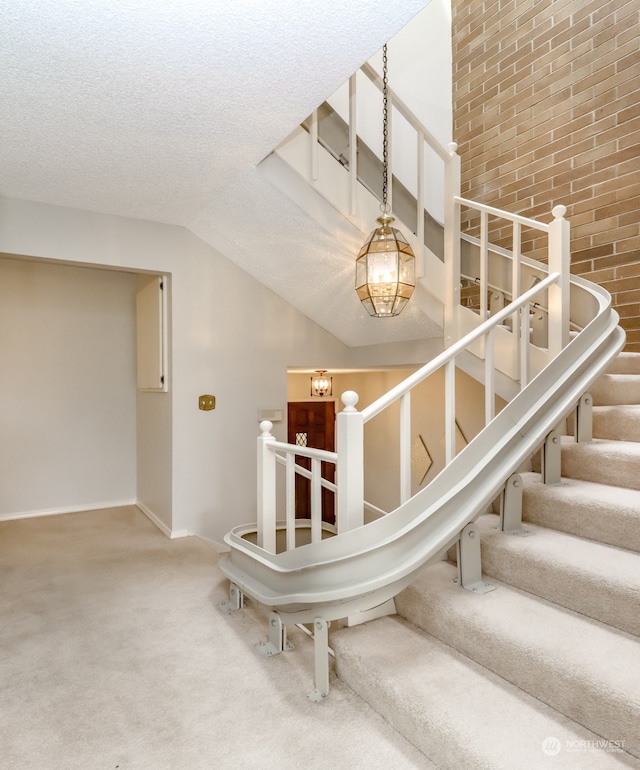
x=59, y=511
x=171, y=534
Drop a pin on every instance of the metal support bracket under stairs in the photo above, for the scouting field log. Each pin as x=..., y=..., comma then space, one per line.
x=236, y=600
x=583, y=420
x=469, y=561
x=511, y=507
x=321, y=656
x=277, y=637
x=550, y=462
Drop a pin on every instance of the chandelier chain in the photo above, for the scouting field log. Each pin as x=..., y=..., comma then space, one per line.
x=385, y=131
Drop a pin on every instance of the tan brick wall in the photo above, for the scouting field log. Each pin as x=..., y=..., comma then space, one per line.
x=547, y=112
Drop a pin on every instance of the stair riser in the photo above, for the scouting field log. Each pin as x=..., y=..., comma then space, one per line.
x=610, y=601
x=601, y=468
x=617, y=423
x=616, y=389
x=554, y=679
x=612, y=463
x=615, y=526
x=625, y=363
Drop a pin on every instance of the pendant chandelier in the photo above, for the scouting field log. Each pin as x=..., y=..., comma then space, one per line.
x=321, y=385
x=386, y=264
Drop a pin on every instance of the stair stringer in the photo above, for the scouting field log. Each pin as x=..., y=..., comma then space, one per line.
x=362, y=568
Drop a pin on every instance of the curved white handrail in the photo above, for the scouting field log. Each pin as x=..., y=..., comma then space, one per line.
x=363, y=567
x=454, y=350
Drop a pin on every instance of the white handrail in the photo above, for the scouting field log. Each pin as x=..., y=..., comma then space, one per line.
x=304, y=451
x=406, y=113
x=451, y=352
x=483, y=207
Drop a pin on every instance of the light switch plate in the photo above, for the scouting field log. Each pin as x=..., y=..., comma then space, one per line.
x=207, y=403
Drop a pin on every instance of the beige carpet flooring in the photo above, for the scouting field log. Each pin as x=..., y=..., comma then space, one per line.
x=115, y=656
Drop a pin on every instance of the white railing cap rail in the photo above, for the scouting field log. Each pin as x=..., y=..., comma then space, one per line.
x=451, y=352
x=558, y=212
x=406, y=113
x=303, y=451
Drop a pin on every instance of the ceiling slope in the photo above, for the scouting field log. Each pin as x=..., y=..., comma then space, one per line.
x=161, y=110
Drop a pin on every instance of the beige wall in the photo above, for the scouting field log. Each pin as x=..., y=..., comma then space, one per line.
x=547, y=112
x=67, y=388
x=195, y=469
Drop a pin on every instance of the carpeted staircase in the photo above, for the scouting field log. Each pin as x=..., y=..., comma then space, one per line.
x=545, y=670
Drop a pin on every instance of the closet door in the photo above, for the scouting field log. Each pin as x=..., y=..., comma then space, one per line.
x=151, y=333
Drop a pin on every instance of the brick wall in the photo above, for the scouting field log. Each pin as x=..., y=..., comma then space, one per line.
x=547, y=111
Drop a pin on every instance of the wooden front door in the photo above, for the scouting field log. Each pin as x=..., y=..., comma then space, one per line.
x=312, y=424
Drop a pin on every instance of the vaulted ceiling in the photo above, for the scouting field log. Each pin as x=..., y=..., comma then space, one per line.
x=162, y=110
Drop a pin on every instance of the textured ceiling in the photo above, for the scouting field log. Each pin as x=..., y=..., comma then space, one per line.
x=161, y=110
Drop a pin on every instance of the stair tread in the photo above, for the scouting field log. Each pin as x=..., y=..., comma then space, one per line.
x=583, y=492
x=632, y=409
x=457, y=712
x=592, y=578
x=629, y=449
x=550, y=652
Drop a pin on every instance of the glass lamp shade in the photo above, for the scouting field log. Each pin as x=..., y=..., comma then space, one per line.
x=385, y=270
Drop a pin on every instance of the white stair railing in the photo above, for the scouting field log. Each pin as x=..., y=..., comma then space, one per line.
x=349, y=489
x=360, y=568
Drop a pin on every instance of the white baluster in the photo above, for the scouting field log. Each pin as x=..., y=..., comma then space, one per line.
x=405, y=447
x=559, y=262
x=451, y=245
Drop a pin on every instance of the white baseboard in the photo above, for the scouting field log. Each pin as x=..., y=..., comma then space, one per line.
x=171, y=534
x=68, y=509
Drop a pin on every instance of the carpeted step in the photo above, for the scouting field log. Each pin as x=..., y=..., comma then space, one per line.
x=615, y=463
x=581, y=668
x=625, y=363
x=619, y=423
x=593, y=579
x=597, y=512
x=616, y=389
x=456, y=712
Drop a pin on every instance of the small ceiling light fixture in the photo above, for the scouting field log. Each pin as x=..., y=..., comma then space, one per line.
x=386, y=264
x=321, y=385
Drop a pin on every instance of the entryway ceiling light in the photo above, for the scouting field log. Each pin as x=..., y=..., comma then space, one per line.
x=321, y=385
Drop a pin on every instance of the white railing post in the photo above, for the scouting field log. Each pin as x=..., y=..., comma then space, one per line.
x=451, y=245
x=353, y=148
x=449, y=411
x=420, y=259
x=314, y=146
x=405, y=447
x=350, y=465
x=266, y=489
x=559, y=293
